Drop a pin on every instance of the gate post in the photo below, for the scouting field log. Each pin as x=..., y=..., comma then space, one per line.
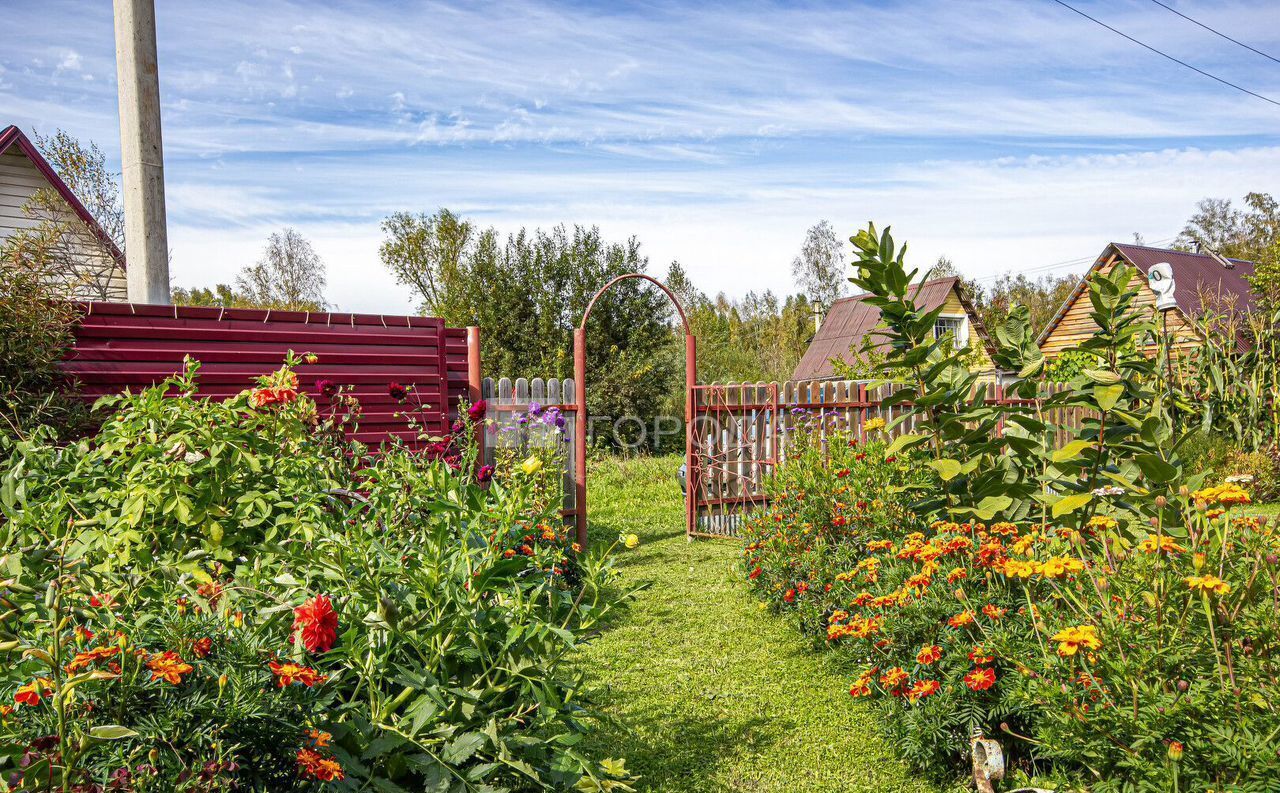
x=474, y=375
x=690, y=416
x=580, y=432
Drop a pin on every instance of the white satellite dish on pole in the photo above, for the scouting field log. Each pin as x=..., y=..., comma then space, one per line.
x=1160, y=278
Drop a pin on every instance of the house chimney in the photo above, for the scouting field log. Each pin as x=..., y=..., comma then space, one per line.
x=819, y=314
x=141, y=153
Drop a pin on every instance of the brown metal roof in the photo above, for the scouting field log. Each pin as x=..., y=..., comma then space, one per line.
x=850, y=319
x=1194, y=274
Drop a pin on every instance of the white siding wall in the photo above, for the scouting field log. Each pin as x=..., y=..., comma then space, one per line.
x=19, y=180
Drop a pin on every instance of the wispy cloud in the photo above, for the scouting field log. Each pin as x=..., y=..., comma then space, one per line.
x=994, y=131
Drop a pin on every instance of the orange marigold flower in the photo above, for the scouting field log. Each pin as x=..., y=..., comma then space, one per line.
x=930, y=654
x=313, y=765
x=288, y=673
x=980, y=657
x=1161, y=544
x=169, y=667
x=922, y=689
x=319, y=739
x=86, y=659
x=962, y=619
x=1071, y=640
x=1208, y=584
x=956, y=574
x=980, y=679
x=994, y=612
x=30, y=693
x=317, y=624
x=202, y=647
x=893, y=678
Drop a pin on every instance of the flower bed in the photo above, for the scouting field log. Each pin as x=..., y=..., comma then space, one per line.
x=228, y=596
x=1111, y=618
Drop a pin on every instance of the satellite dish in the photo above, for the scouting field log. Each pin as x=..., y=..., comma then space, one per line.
x=1160, y=278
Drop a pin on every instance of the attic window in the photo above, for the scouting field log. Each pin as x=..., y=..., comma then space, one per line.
x=958, y=327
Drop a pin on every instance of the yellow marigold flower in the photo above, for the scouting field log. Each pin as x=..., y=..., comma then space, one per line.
x=876, y=423
x=1226, y=494
x=1060, y=566
x=1208, y=584
x=1102, y=523
x=1071, y=640
x=1018, y=568
x=1154, y=544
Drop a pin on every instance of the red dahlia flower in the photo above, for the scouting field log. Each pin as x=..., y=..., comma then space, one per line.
x=317, y=624
x=477, y=411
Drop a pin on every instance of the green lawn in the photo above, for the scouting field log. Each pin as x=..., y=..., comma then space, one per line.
x=706, y=692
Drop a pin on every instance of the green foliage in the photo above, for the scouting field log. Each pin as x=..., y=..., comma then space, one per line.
x=1119, y=623
x=35, y=334
x=529, y=291
x=454, y=605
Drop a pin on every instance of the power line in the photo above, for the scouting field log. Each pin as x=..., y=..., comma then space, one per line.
x=1216, y=32
x=1168, y=56
x=1064, y=263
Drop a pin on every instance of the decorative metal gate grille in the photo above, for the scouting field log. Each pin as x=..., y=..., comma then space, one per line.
x=734, y=444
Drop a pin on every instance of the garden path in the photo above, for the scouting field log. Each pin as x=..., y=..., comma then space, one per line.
x=709, y=693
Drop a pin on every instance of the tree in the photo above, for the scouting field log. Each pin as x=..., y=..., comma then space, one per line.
x=71, y=258
x=819, y=269
x=1252, y=234
x=1042, y=296
x=528, y=291
x=290, y=275
x=219, y=296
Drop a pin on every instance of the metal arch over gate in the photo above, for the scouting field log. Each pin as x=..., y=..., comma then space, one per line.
x=580, y=377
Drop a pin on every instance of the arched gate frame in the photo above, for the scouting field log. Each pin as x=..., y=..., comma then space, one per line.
x=580, y=375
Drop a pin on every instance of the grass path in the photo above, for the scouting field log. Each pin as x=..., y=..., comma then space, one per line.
x=707, y=692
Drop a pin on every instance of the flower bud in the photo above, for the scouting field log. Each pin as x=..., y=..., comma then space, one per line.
x=1161, y=502
x=1197, y=561
x=1175, y=751
x=1183, y=686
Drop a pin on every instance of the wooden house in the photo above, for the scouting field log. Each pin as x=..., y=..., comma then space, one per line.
x=96, y=264
x=1204, y=282
x=851, y=319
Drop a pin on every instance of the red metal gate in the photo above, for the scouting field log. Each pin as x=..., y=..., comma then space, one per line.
x=733, y=449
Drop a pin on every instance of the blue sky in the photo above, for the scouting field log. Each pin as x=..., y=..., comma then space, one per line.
x=1008, y=135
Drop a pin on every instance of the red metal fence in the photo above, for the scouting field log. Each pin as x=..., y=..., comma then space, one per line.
x=123, y=345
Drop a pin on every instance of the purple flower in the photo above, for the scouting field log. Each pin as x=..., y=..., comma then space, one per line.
x=457, y=428
x=484, y=474
x=476, y=412
x=326, y=387
x=535, y=409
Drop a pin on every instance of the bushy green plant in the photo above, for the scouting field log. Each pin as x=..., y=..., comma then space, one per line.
x=35, y=334
x=437, y=601
x=1119, y=622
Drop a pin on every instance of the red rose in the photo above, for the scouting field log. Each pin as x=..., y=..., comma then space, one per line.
x=317, y=624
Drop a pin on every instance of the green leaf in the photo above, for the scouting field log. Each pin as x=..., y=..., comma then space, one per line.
x=1155, y=468
x=947, y=469
x=1071, y=451
x=1108, y=395
x=905, y=442
x=460, y=749
x=1070, y=503
x=111, y=732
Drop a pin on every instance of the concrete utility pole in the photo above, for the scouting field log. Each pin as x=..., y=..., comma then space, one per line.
x=142, y=155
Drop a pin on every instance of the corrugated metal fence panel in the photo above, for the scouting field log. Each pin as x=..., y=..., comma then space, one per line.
x=126, y=346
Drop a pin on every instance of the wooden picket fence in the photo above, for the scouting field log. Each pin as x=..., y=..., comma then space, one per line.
x=509, y=400
x=742, y=432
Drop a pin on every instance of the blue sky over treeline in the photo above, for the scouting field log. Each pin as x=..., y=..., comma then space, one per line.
x=1008, y=135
